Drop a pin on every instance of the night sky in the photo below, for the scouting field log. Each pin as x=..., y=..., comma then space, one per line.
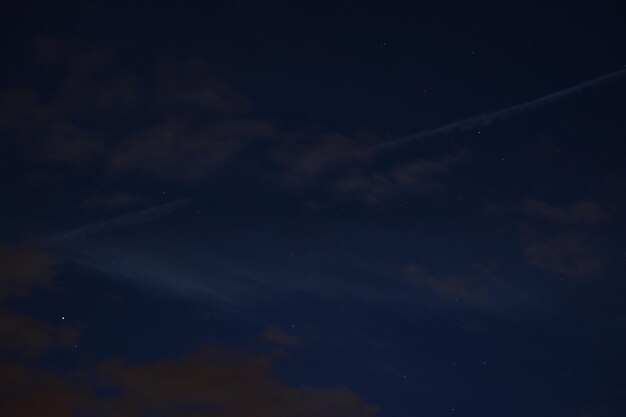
x=241, y=209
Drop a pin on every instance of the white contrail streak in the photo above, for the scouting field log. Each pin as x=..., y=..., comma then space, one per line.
x=487, y=119
x=136, y=217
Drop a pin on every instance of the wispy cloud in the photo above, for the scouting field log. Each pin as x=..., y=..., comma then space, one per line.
x=563, y=239
x=175, y=119
x=584, y=212
x=342, y=166
x=569, y=254
x=124, y=220
x=479, y=286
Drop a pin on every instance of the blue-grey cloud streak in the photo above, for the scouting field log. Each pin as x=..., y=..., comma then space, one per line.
x=487, y=119
x=136, y=217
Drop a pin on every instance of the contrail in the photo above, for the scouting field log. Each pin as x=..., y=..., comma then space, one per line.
x=136, y=217
x=487, y=119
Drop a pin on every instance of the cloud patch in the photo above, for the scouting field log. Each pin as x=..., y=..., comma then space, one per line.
x=23, y=272
x=568, y=254
x=585, y=212
x=168, y=119
x=220, y=383
x=564, y=239
x=475, y=289
x=346, y=168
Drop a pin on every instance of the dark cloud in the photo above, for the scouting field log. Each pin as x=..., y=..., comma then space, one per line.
x=180, y=149
x=564, y=239
x=219, y=383
x=45, y=130
x=307, y=156
x=30, y=391
x=474, y=289
x=585, y=212
x=193, y=87
x=345, y=166
x=23, y=272
x=68, y=83
x=173, y=118
x=216, y=382
x=22, y=335
x=414, y=177
x=568, y=254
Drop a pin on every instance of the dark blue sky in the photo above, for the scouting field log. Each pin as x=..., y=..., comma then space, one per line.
x=310, y=272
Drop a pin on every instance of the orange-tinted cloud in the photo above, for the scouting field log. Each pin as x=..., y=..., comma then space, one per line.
x=279, y=337
x=25, y=336
x=214, y=382
x=219, y=383
x=24, y=271
x=28, y=391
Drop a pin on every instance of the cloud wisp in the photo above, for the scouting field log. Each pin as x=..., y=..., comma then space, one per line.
x=135, y=217
x=487, y=119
